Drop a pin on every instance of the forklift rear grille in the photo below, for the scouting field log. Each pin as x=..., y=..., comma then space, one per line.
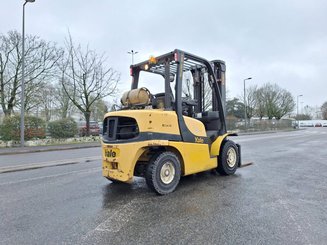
x=111, y=128
x=120, y=128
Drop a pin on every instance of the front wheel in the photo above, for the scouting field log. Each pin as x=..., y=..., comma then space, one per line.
x=163, y=173
x=228, y=158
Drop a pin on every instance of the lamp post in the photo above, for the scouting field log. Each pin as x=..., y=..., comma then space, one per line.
x=245, y=116
x=22, y=98
x=297, y=109
x=132, y=52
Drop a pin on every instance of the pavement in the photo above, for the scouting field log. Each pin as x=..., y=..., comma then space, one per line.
x=32, y=149
x=7, y=168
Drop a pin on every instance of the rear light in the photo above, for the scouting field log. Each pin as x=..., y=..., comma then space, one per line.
x=131, y=71
x=176, y=56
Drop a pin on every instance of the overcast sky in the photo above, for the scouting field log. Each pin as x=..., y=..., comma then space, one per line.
x=281, y=41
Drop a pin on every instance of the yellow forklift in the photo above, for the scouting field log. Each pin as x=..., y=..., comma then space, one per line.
x=177, y=132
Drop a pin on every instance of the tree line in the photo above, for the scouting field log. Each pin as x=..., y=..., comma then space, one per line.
x=57, y=79
x=269, y=100
x=324, y=110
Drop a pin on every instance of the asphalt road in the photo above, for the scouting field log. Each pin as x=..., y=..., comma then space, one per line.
x=281, y=199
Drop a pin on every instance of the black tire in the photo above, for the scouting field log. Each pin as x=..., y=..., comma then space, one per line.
x=163, y=173
x=228, y=158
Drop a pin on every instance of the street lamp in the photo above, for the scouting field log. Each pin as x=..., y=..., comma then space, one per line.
x=22, y=99
x=245, y=116
x=132, y=52
x=297, y=104
x=297, y=109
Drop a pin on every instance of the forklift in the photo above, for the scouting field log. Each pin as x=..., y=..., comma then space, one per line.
x=177, y=132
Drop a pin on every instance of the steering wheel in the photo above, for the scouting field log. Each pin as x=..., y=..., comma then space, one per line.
x=189, y=102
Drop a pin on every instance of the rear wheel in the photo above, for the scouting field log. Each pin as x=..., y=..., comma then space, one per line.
x=163, y=173
x=228, y=158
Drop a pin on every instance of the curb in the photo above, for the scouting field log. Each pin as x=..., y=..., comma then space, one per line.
x=46, y=164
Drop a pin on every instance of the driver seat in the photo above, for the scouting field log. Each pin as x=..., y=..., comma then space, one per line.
x=158, y=101
x=211, y=122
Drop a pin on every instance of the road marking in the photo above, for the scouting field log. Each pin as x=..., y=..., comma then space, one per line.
x=118, y=219
x=47, y=164
x=91, y=170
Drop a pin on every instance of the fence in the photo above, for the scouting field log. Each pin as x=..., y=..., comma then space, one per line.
x=259, y=125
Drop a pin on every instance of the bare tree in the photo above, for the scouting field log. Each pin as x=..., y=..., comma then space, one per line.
x=188, y=89
x=40, y=60
x=251, y=100
x=85, y=77
x=285, y=104
x=274, y=101
x=187, y=86
x=47, y=101
x=260, y=103
x=64, y=105
x=99, y=108
x=207, y=90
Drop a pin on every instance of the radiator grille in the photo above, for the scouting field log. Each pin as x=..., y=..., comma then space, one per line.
x=120, y=128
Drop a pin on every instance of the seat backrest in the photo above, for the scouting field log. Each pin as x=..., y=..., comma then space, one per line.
x=210, y=115
x=210, y=120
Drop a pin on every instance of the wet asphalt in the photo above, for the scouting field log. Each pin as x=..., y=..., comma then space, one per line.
x=281, y=199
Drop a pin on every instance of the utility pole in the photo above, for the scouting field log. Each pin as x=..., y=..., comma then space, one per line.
x=22, y=93
x=297, y=109
x=245, y=115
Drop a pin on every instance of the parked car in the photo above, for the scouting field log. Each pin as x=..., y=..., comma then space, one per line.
x=324, y=124
x=94, y=128
x=318, y=125
x=101, y=127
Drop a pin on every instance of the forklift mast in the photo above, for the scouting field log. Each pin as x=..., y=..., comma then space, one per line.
x=219, y=67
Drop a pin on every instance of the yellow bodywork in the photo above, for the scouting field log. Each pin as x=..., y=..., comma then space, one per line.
x=119, y=160
x=159, y=121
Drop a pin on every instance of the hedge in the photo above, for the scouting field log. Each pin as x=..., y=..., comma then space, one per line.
x=64, y=128
x=10, y=128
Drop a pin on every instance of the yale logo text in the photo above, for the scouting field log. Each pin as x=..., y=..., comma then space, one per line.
x=110, y=153
x=199, y=140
